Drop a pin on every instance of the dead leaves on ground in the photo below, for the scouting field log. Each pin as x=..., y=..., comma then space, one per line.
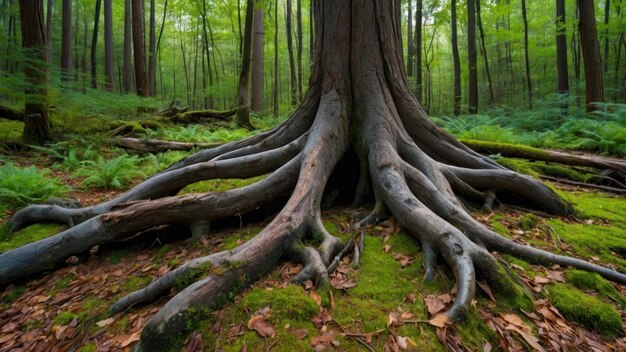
x=259, y=323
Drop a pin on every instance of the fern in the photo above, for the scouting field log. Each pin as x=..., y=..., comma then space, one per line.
x=23, y=186
x=113, y=173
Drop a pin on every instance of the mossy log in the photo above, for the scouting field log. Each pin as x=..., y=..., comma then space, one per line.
x=158, y=146
x=7, y=112
x=525, y=152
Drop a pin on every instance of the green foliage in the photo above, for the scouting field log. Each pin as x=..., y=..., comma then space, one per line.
x=23, y=186
x=592, y=281
x=9, y=296
x=199, y=133
x=30, y=234
x=113, y=173
x=528, y=221
x=586, y=310
x=64, y=318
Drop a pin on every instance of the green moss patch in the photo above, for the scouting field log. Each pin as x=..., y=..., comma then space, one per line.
x=30, y=234
x=592, y=281
x=586, y=310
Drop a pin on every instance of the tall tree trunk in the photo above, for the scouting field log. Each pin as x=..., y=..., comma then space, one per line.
x=472, y=57
x=484, y=50
x=561, y=48
x=108, y=45
x=49, y=27
x=418, y=50
x=293, y=82
x=607, y=10
x=139, y=50
x=243, y=98
x=299, y=47
x=594, y=85
x=457, y=63
x=276, y=75
x=152, y=53
x=36, y=122
x=94, y=46
x=209, y=98
x=257, y=56
x=66, y=40
x=128, y=67
x=526, y=58
x=410, y=43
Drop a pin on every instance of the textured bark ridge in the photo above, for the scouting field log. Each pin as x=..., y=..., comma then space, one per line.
x=359, y=109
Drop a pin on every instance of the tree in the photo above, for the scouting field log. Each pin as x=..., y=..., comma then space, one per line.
x=456, y=62
x=592, y=62
x=561, y=48
x=152, y=53
x=418, y=50
x=484, y=50
x=49, y=25
x=66, y=40
x=292, y=65
x=243, y=97
x=94, y=46
x=410, y=43
x=299, y=46
x=257, y=56
x=472, y=61
x=36, y=122
x=108, y=44
x=275, y=92
x=128, y=68
x=359, y=133
x=526, y=59
x=139, y=49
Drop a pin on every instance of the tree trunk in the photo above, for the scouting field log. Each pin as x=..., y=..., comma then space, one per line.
x=49, y=27
x=410, y=43
x=94, y=46
x=36, y=122
x=594, y=86
x=472, y=57
x=209, y=98
x=276, y=74
x=152, y=53
x=360, y=121
x=299, y=47
x=526, y=58
x=139, y=49
x=484, y=51
x=128, y=68
x=292, y=66
x=243, y=98
x=257, y=56
x=561, y=49
x=418, y=50
x=108, y=45
x=456, y=62
x=607, y=11
x=66, y=41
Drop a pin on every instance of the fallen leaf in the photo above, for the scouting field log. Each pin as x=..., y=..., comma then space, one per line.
x=262, y=326
x=433, y=304
x=483, y=286
x=515, y=320
x=73, y=260
x=133, y=338
x=530, y=339
x=300, y=333
x=406, y=315
x=194, y=343
x=392, y=319
x=411, y=298
x=440, y=321
x=542, y=280
x=386, y=248
x=316, y=297
x=105, y=322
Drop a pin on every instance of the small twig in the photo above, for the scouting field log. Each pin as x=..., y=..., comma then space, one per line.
x=357, y=339
x=333, y=265
x=271, y=345
x=583, y=184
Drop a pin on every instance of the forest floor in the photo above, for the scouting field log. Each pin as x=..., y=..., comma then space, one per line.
x=382, y=305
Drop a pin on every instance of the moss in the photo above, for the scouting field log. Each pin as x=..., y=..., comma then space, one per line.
x=528, y=221
x=288, y=303
x=555, y=170
x=136, y=282
x=233, y=240
x=89, y=347
x=116, y=256
x=64, y=318
x=585, y=310
x=28, y=235
x=13, y=294
x=11, y=130
x=519, y=165
x=162, y=252
x=474, y=331
x=219, y=185
x=194, y=274
x=62, y=283
x=592, y=281
x=500, y=228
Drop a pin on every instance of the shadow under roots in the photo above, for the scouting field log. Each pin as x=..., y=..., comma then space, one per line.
x=342, y=184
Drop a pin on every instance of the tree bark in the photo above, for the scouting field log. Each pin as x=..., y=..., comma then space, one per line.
x=299, y=45
x=594, y=85
x=526, y=58
x=275, y=92
x=292, y=66
x=139, y=49
x=418, y=50
x=359, y=119
x=94, y=46
x=152, y=53
x=456, y=62
x=561, y=49
x=49, y=27
x=607, y=12
x=108, y=45
x=410, y=43
x=484, y=51
x=257, y=56
x=36, y=122
x=243, y=112
x=472, y=57
x=66, y=41
x=128, y=68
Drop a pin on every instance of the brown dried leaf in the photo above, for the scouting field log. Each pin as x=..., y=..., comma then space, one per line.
x=262, y=326
x=300, y=333
x=440, y=321
x=530, y=339
x=485, y=287
x=411, y=298
x=133, y=338
x=316, y=297
x=542, y=280
x=392, y=319
x=433, y=304
x=386, y=248
x=515, y=320
x=194, y=343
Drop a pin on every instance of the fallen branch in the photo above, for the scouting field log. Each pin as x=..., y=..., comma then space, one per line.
x=583, y=184
x=158, y=146
x=7, y=112
x=525, y=152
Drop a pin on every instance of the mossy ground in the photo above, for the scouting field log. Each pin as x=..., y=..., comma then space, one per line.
x=383, y=285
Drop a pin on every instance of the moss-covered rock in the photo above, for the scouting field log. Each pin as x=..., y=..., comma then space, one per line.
x=585, y=310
